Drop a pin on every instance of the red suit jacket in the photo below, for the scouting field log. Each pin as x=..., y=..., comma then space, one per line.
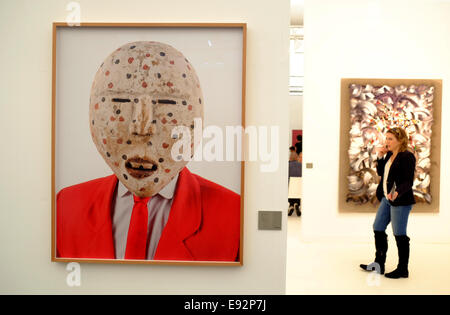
x=203, y=224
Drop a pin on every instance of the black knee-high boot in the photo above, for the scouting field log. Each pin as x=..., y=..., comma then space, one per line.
x=381, y=247
x=403, y=258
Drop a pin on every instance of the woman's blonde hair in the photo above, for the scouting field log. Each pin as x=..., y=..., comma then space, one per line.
x=402, y=137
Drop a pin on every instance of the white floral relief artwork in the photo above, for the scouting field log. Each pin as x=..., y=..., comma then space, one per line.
x=373, y=111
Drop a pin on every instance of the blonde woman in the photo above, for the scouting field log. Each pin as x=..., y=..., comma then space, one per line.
x=396, y=166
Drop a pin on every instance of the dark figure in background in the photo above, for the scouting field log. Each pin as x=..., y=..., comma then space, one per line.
x=395, y=193
x=298, y=145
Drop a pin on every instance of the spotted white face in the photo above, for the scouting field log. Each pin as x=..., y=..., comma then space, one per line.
x=141, y=92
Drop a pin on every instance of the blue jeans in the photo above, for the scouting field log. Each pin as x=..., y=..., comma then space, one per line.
x=387, y=213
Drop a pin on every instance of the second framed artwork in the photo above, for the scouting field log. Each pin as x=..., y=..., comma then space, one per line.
x=369, y=109
x=140, y=169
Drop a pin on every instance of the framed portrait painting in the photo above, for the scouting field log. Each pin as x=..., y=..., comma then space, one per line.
x=139, y=113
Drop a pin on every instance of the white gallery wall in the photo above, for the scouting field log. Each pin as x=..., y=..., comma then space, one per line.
x=295, y=113
x=25, y=122
x=367, y=39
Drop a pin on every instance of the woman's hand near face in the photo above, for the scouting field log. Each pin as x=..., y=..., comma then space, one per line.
x=382, y=150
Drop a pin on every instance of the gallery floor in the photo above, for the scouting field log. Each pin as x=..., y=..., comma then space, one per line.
x=332, y=267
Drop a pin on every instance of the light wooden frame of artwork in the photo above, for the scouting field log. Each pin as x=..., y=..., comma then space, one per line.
x=59, y=25
x=435, y=156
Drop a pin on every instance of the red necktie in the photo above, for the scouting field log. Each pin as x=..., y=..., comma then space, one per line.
x=137, y=231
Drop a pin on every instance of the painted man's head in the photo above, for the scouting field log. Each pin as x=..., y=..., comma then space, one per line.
x=142, y=91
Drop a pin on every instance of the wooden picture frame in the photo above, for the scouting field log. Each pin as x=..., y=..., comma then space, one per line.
x=348, y=207
x=112, y=34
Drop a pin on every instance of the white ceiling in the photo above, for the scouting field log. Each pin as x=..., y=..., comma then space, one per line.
x=297, y=7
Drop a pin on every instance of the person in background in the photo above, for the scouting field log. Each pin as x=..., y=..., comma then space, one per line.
x=299, y=145
x=295, y=166
x=292, y=153
x=295, y=170
x=395, y=192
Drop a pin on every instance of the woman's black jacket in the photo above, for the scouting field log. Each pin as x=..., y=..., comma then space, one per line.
x=402, y=174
